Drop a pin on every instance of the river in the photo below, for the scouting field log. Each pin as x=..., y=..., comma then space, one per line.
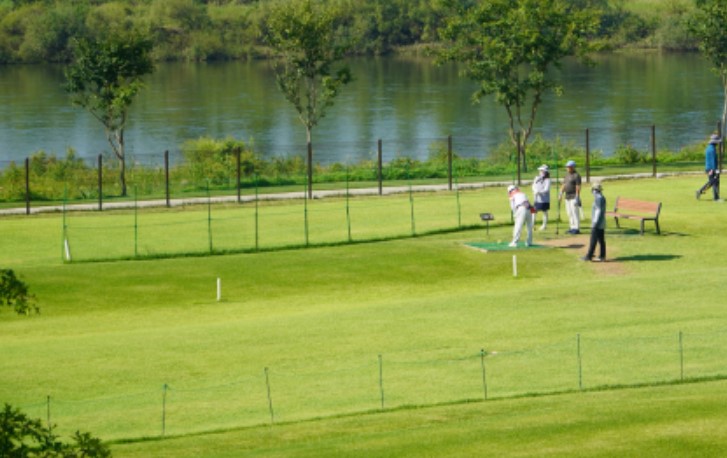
x=409, y=103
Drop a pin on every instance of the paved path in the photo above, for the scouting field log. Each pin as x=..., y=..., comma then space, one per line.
x=296, y=195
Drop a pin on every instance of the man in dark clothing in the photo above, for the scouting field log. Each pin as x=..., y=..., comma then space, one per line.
x=711, y=168
x=598, y=225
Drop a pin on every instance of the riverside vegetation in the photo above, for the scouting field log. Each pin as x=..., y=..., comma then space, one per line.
x=44, y=30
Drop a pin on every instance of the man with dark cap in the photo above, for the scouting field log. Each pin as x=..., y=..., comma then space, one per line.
x=711, y=168
x=571, y=189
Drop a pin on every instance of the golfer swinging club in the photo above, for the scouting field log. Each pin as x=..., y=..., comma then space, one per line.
x=522, y=213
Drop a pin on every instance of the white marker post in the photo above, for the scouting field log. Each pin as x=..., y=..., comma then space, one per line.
x=219, y=289
x=514, y=265
x=67, y=249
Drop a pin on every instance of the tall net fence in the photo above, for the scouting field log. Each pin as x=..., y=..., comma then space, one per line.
x=265, y=224
x=296, y=391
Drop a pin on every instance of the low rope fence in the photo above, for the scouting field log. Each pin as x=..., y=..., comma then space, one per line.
x=289, y=392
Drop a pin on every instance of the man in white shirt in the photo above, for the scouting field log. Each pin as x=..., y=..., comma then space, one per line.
x=522, y=214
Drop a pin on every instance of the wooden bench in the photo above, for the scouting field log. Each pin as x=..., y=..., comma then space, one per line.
x=638, y=210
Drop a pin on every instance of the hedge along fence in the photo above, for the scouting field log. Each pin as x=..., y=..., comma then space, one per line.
x=232, y=166
x=296, y=391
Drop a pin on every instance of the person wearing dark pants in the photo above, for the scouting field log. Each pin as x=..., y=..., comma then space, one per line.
x=711, y=168
x=598, y=225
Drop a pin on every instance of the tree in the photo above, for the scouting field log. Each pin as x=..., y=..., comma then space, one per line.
x=303, y=34
x=21, y=436
x=14, y=293
x=104, y=78
x=708, y=25
x=509, y=48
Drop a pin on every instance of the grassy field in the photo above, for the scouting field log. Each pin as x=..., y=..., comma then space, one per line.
x=331, y=336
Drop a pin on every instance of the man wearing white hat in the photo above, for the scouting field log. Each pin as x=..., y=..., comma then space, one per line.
x=541, y=194
x=522, y=215
x=711, y=168
x=571, y=189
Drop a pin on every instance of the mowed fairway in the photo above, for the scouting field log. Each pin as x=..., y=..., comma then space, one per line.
x=318, y=341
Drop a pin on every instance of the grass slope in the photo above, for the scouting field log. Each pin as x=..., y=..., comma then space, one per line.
x=112, y=334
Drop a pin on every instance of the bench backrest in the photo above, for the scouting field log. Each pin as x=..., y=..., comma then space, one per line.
x=637, y=206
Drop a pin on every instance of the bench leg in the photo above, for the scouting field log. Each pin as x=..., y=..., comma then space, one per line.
x=617, y=225
x=658, y=231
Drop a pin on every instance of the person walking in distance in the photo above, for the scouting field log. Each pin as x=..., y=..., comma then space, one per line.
x=522, y=215
x=571, y=190
x=711, y=168
x=598, y=225
x=541, y=194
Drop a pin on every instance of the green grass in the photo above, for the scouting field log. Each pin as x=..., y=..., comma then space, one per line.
x=112, y=334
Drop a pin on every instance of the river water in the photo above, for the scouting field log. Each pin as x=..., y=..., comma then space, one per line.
x=409, y=103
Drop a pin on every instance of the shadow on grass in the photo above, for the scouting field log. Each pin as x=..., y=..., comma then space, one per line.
x=647, y=257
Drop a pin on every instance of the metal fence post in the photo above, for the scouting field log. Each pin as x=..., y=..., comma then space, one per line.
x=27, y=186
x=310, y=170
x=653, y=150
x=380, y=165
x=239, y=174
x=449, y=160
x=588, y=155
x=166, y=177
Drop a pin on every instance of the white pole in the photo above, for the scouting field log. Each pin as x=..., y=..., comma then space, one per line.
x=219, y=289
x=67, y=247
x=514, y=265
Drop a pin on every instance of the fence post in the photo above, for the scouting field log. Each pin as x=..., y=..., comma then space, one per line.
x=257, y=214
x=721, y=145
x=50, y=426
x=580, y=363
x=305, y=217
x=380, y=165
x=100, y=182
x=484, y=373
x=653, y=149
x=237, y=159
x=27, y=186
x=136, y=222
x=381, y=380
x=166, y=177
x=588, y=155
x=310, y=170
x=209, y=216
x=164, y=409
x=411, y=200
x=449, y=160
x=65, y=250
x=270, y=398
x=519, y=154
x=681, y=357
x=348, y=205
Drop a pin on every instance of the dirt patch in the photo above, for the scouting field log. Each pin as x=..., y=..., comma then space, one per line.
x=578, y=245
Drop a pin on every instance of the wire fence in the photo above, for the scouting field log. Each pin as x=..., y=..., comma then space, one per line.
x=42, y=180
x=294, y=392
x=259, y=224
